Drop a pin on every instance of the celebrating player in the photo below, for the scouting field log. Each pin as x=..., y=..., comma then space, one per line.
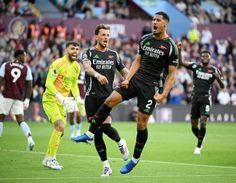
x=204, y=75
x=100, y=64
x=157, y=54
x=16, y=78
x=61, y=79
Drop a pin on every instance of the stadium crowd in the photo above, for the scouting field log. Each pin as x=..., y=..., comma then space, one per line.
x=204, y=12
x=45, y=44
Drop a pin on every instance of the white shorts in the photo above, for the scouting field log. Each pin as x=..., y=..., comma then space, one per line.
x=73, y=105
x=13, y=105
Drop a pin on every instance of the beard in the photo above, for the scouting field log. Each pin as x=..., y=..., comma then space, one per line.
x=73, y=58
x=205, y=63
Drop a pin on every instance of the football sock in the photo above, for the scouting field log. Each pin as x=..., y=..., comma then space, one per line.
x=72, y=129
x=100, y=145
x=54, y=143
x=110, y=132
x=25, y=128
x=195, y=131
x=78, y=126
x=105, y=163
x=141, y=139
x=135, y=160
x=99, y=117
x=1, y=128
x=202, y=133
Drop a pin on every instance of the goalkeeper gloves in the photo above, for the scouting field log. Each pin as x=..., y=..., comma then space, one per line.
x=61, y=98
x=80, y=105
x=66, y=102
x=26, y=103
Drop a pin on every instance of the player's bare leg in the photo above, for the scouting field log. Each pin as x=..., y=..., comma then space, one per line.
x=2, y=117
x=26, y=130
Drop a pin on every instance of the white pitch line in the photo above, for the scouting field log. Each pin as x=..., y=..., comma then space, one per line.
x=118, y=177
x=144, y=161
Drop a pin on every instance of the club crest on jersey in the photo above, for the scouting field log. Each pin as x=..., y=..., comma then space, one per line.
x=162, y=47
x=110, y=56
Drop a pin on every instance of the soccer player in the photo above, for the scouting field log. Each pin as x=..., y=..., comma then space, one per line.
x=74, y=115
x=75, y=123
x=157, y=54
x=100, y=64
x=16, y=78
x=204, y=75
x=61, y=79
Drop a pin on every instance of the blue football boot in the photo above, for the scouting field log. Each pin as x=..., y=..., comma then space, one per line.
x=127, y=167
x=82, y=138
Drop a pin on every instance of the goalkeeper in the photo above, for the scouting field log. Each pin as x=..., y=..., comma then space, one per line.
x=61, y=80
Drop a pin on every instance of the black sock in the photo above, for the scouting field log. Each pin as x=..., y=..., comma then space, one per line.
x=111, y=132
x=141, y=138
x=195, y=131
x=100, y=145
x=99, y=117
x=201, y=136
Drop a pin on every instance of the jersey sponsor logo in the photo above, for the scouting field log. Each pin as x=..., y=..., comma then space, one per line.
x=103, y=64
x=203, y=75
x=152, y=52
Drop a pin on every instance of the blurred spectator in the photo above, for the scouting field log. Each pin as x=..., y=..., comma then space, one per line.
x=147, y=29
x=193, y=34
x=233, y=98
x=223, y=97
x=206, y=36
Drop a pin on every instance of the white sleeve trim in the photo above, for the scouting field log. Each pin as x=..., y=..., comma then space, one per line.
x=2, y=70
x=29, y=74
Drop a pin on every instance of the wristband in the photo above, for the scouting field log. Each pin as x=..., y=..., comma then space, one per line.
x=96, y=75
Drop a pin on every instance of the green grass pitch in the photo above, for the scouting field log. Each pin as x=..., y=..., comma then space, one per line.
x=167, y=157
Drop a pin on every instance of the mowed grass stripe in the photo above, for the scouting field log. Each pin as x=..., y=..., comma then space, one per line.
x=118, y=159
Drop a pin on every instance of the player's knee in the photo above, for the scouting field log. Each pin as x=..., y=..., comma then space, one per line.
x=203, y=124
x=98, y=137
x=203, y=121
x=142, y=120
x=113, y=99
x=59, y=126
x=194, y=123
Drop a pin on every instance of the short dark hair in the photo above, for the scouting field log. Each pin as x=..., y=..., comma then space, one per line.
x=72, y=43
x=99, y=27
x=205, y=51
x=164, y=15
x=19, y=52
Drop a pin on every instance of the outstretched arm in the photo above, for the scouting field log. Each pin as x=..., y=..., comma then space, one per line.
x=219, y=78
x=181, y=62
